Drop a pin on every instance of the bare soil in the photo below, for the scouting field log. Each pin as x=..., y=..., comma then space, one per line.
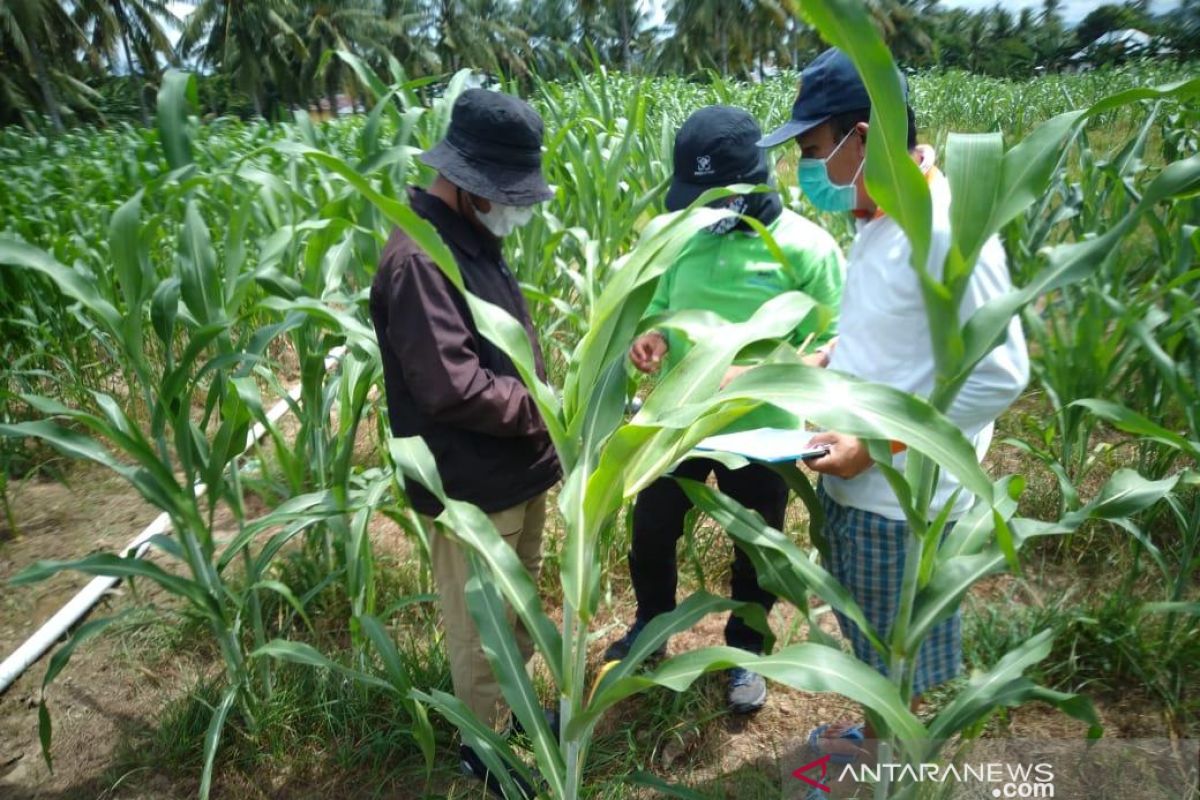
x=103, y=695
x=109, y=695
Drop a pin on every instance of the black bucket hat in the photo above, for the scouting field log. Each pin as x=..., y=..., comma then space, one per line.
x=715, y=147
x=493, y=149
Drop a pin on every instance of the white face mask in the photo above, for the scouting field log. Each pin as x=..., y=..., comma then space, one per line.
x=503, y=220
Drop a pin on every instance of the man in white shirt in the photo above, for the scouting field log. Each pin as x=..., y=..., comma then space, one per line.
x=885, y=337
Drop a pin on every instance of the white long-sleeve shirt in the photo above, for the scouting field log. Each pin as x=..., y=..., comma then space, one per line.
x=884, y=337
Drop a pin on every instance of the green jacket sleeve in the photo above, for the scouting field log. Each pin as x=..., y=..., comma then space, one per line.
x=662, y=293
x=819, y=274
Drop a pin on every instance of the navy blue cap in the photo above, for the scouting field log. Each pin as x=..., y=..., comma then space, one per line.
x=715, y=147
x=829, y=86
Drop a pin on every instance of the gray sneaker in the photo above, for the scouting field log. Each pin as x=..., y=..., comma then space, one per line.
x=747, y=691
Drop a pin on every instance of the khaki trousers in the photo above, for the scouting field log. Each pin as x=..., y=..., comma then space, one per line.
x=474, y=684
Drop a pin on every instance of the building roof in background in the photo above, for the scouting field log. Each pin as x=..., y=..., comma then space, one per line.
x=1129, y=40
x=1126, y=36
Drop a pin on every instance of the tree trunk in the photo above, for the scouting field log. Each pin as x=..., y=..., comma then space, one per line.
x=446, y=21
x=625, y=36
x=331, y=87
x=762, y=48
x=138, y=82
x=724, y=45
x=43, y=79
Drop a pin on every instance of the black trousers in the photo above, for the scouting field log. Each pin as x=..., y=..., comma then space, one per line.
x=658, y=516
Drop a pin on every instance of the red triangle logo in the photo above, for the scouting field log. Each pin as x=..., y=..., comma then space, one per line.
x=823, y=763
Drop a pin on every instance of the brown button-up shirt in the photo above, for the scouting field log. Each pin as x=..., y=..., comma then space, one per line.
x=448, y=384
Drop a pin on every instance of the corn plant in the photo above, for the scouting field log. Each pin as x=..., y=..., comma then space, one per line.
x=1092, y=337
x=586, y=227
x=147, y=341
x=1017, y=107
x=612, y=461
x=607, y=461
x=202, y=398
x=1164, y=431
x=1121, y=339
x=1178, y=560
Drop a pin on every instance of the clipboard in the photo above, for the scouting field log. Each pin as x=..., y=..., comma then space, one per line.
x=772, y=445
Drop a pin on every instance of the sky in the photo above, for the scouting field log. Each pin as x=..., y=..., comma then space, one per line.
x=1072, y=10
x=180, y=10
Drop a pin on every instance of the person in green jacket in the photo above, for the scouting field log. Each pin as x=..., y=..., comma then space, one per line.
x=726, y=269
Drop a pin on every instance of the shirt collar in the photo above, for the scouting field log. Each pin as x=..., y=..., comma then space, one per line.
x=452, y=226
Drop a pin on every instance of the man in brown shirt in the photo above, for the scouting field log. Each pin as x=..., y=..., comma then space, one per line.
x=451, y=386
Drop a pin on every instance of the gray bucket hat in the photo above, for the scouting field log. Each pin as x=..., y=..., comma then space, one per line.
x=493, y=149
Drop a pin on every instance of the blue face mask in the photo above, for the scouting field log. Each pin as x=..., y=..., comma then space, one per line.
x=823, y=192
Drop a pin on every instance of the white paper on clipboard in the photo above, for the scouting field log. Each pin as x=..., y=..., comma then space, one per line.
x=765, y=444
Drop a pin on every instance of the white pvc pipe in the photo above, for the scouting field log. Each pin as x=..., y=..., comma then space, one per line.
x=44, y=638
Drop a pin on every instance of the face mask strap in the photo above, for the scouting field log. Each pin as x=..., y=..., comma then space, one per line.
x=839, y=145
x=857, y=172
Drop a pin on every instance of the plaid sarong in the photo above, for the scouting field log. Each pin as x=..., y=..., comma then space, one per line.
x=867, y=553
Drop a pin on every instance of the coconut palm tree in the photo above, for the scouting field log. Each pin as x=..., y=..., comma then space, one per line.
x=905, y=28
x=706, y=34
x=478, y=34
x=357, y=26
x=39, y=41
x=553, y=37
x=737, y=37
x=627, y=18
x=130, y=31
x=1051, y=39
x=611, y=27
x=250, y=40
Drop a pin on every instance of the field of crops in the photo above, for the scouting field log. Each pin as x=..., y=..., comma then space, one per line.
x=161, y=288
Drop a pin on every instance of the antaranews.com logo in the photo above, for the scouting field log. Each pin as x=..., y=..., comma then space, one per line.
x=1004, y=780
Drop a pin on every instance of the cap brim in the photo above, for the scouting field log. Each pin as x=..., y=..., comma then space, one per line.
x=790, y=130
x=508, y=185
x=682, y=194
